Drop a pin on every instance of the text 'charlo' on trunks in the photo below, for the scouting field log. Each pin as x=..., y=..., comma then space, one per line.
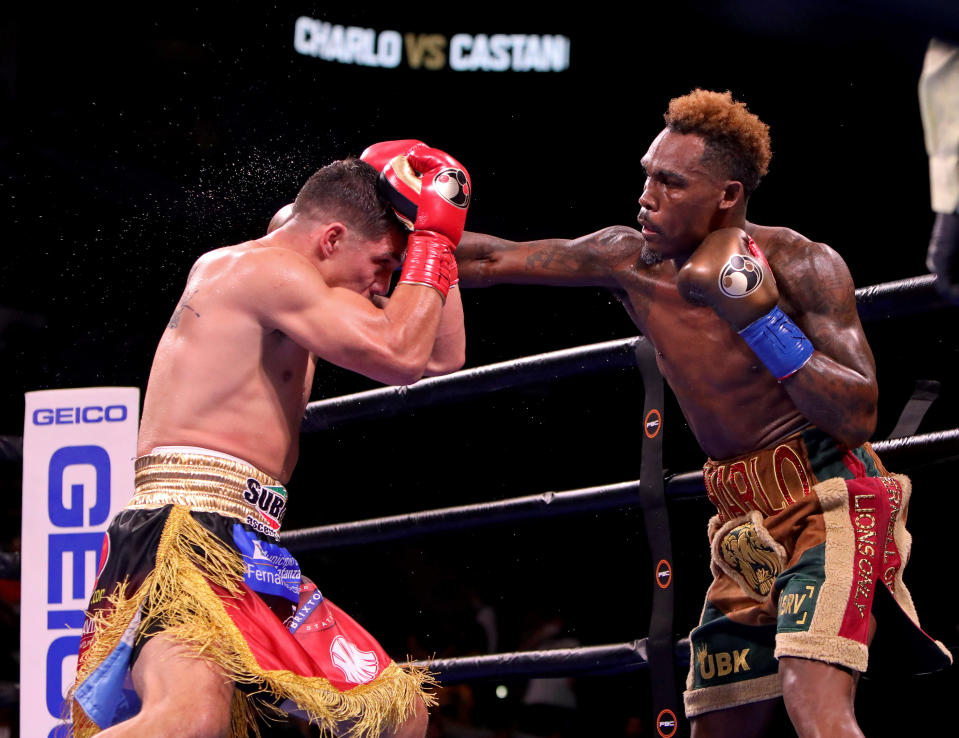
x=769, y=480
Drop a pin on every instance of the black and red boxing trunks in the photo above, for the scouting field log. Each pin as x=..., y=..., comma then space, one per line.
x=809, y=540
x=196, y=555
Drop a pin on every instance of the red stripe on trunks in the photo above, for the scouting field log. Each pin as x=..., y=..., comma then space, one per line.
x=869, y=516
x=854, y=464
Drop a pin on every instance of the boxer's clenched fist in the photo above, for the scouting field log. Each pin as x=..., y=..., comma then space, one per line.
x=728, y=272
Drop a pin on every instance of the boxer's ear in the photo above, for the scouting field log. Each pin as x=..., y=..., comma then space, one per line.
x=329, y=238
x=733, y=194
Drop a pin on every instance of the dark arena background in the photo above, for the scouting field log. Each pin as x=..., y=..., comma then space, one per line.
x=134, y=142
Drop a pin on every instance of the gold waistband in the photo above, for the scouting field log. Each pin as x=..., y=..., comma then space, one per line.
x=210, y=484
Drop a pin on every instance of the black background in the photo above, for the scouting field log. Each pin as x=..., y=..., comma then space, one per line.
x=136, y=142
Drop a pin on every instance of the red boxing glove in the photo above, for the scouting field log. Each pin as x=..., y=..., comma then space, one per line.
x=440, y=218
x=444, y=195
x=398, y=183
x=380, y=154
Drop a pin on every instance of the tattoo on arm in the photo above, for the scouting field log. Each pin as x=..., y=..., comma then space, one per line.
x=554, y=258
x=598, y=253
x=184, y=305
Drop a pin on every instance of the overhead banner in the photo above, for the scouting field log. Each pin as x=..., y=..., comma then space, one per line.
x=78, y=451
x=461, y=52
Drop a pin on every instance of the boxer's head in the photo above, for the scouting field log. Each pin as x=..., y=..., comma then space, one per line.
x=701, y=170
x=346, y=191
x=358, y=241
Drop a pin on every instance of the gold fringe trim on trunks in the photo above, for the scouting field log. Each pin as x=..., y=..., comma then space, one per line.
x=177, y=596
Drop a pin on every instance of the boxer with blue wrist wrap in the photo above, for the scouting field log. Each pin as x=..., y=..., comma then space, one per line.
x=729, y=272
x=757, y=333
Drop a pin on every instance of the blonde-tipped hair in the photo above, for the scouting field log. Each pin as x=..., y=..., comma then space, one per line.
x=737, y=142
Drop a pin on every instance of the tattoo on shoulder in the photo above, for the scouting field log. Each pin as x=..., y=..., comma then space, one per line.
x=184, y=305
x=821, y=280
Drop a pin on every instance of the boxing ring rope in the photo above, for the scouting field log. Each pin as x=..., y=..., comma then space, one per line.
x=614, y=658
x=11, y=448
x=390, y=401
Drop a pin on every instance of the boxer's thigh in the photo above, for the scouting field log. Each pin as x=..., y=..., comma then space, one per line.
x=181, y=693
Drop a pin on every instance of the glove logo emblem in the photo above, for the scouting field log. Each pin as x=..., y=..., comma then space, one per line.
x=740, y=276
x=452, y=186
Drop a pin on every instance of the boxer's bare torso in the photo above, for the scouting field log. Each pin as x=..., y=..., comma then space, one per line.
x=732, y=403
x=223, y=380
x=235, y=365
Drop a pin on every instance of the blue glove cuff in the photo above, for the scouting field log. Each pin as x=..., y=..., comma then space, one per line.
x=778, y=342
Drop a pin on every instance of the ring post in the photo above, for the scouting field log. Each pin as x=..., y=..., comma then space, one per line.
x=660, y=640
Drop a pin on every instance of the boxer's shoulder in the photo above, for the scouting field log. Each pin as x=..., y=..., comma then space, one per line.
x=775, y=238
x=252, y=272
x=790, y=251
x=616, y=247
x=258, y=260
x=808, y=273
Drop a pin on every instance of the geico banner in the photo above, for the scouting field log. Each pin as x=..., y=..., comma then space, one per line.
x=78, y=452
x=461, y=52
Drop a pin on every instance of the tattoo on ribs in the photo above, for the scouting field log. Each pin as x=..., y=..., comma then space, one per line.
x=184, y=305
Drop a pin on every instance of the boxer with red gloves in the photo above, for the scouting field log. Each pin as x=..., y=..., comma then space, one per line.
x=440, y=217
x=430, y=194
x=398, y=182
x=757, y=333
x=221, y=419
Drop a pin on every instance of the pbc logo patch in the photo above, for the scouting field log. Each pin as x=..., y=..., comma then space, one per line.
x=453, y=186
x=740, y=276
x=664, y=574
x=270, y=499
x=653, y=423
x=666, y=723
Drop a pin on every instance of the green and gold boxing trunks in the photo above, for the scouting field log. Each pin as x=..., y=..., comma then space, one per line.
x=809, y=540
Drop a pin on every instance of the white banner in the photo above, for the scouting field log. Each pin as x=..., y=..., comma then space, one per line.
x=78, y=452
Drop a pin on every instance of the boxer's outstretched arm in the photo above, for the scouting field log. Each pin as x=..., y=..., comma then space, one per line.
x=590, y=260
x=836, y=389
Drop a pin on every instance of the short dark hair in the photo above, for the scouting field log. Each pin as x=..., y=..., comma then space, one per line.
x=737, y=142
x=346, y=190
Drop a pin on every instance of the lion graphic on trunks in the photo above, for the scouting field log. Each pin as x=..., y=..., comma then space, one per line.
x=747, y=555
